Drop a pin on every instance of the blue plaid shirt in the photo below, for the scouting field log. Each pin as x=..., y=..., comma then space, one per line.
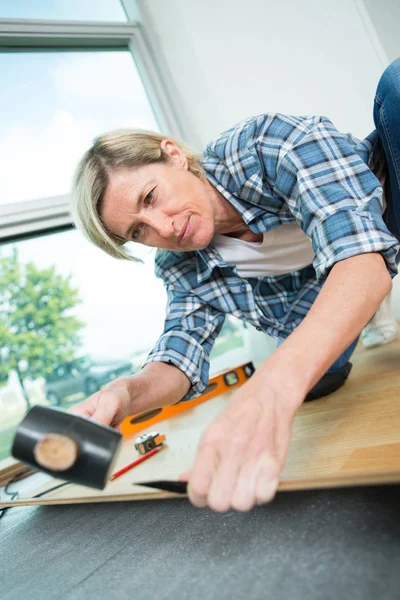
x=273, y=169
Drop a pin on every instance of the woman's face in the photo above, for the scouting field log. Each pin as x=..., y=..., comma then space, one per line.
x=162, y=205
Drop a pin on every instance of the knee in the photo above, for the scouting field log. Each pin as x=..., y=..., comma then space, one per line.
x=389, y=83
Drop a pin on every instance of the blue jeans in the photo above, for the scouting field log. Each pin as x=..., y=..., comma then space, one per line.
x=386, y=135
x=387, y=123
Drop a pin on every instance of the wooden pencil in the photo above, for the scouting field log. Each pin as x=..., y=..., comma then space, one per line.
x=135, y=463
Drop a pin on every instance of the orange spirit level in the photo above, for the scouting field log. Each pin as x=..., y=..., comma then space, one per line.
x=217, y=385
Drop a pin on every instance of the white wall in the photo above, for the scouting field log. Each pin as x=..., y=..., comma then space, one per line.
x=228, y=59
x=224, y=60
x=385, y=16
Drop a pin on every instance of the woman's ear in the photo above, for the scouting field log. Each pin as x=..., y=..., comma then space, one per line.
x=175, y=153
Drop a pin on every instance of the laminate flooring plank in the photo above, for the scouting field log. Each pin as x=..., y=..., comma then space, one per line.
x=349, y=437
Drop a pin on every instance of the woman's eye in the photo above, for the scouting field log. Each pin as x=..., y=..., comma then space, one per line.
x=149, y=198
x=136, y=233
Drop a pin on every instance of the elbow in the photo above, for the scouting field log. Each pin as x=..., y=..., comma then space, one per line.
x=385, y=281
x=388, y=283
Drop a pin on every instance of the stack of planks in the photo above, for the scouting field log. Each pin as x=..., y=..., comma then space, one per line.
x=12, y=470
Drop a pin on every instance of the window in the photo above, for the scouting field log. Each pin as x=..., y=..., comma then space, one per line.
x=72, y=318
x=63, y=83
x=78, y=10
x=75, y=319
x=73, y=96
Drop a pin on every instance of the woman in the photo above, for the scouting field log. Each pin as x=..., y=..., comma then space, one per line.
x=280, y=225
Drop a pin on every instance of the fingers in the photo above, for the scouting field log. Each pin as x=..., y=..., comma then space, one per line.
x=257, y=483
x=107, y=408
x=267, y=480
x=86, y=408
x=232, y=452
x=185, y=476
x=243, y=497
x=232, y=474
x=81, y=409
x=231, y=485
x=103, y=407
x=240, y=470
x=222, y=486
x=201, y=476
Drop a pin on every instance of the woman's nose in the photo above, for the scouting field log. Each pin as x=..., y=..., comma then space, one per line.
x=164, y=226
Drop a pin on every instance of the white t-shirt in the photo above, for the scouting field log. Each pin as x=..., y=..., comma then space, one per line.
x=283, y=250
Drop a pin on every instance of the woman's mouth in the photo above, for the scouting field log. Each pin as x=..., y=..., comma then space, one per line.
x=185, y=232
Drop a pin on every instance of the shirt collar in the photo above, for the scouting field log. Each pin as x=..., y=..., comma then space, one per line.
x=248, y=211
x=208, y=259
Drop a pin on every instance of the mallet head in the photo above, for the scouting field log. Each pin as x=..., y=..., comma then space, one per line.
x=67, y=446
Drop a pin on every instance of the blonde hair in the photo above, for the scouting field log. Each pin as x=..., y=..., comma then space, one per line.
x=112, y=151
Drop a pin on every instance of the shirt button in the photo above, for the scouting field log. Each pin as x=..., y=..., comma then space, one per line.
x=243, y=287
x=258, y=328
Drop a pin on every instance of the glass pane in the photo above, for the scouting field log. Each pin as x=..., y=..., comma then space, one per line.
x=71, y=10
x=73, y=318
x=51, y=107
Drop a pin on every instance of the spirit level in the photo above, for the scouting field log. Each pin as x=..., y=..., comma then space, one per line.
x=217, y=385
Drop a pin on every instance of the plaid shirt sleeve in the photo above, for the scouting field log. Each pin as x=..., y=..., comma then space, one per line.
x=333, y=196
x=191, y=327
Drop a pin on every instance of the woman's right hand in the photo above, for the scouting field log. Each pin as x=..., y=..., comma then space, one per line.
x=109, y=406
x=157, y=384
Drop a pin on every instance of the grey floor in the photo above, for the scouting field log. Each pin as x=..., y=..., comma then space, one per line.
x=325, y=544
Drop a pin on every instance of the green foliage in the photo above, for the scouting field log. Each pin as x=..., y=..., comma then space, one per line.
x=36, y=326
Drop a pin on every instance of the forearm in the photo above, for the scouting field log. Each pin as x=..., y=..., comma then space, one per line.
x=157, y=384
x=350, y=296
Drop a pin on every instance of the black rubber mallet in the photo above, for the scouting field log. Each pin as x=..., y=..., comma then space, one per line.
x=67, y=446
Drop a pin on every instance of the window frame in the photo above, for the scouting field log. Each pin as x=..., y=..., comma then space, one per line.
x=43, y=215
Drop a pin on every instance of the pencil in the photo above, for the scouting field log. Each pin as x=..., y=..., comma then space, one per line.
x=135, y=462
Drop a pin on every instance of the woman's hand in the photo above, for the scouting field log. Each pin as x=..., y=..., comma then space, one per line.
x=242, y=453
x=156, y=385
x=109, y=406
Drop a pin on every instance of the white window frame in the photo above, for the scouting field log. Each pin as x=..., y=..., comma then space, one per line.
x=44, y=214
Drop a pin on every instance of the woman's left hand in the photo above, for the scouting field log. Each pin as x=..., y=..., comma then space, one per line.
x=241, y=454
